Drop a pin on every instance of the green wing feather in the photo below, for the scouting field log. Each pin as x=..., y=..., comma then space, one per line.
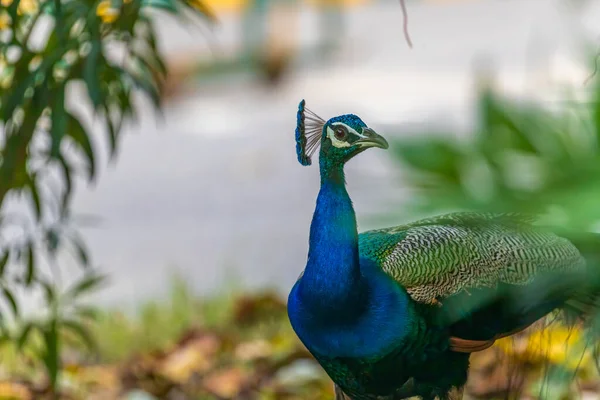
x=437, y=257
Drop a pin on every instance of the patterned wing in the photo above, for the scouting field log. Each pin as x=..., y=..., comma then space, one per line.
x=438, y=257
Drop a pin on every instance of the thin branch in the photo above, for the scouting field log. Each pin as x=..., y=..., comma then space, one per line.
x=405, y=24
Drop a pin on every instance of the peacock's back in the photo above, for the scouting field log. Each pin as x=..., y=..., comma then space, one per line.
x=489, y=274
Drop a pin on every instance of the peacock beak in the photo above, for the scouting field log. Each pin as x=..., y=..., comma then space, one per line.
x=372, y=139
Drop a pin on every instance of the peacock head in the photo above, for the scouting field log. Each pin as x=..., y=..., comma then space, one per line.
x=340, y=138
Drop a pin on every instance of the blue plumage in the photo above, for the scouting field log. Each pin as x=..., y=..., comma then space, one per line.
x=349, y=120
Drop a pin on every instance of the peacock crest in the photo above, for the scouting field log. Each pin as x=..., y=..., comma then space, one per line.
x=309, y=128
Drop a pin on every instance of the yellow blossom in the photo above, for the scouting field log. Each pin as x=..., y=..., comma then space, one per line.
x=25, y=6
x=107, y=12
x=558, y=345
x=4, y=21
x=28, y=7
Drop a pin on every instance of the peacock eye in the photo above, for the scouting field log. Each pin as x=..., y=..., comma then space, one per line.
x=340, y=133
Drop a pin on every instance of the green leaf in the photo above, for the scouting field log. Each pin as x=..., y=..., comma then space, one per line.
x=87, y=284
x=13, y=9
x=25, y=332
x=435, y=156
x=30, y=260
x=59, y=121
x=68, y=182
x=80, y=250
x=4, y=262
x=78, y=134
x=151, y=38
x=11, y=300
x=112, y=134
x=90, y=313
x=49, y=292
x=143, y=80
x=52, y=240
x=35, y=197
x=22, y=80
x=52, y=355
x=153, y=55
x=81, y=332
x=501, y=126
x=154, y=63
x=91, y=74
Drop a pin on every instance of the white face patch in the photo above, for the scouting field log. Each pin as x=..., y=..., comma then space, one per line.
x=341, y=143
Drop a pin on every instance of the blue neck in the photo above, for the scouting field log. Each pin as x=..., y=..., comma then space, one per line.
x=332, y=279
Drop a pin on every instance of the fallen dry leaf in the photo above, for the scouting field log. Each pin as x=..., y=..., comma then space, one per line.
x=195, y=354
x=226, y=383
x=256, y=349
x=105, y=376
x=14, y=391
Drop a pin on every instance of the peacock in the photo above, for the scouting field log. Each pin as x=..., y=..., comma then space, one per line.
x=395, y=313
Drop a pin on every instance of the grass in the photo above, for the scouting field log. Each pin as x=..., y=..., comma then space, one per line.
x=159, y=324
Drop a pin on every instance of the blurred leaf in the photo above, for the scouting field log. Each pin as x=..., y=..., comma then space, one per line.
x=68, y=183
x=90, y=72
x=152, y=43
x=112, y=133
x=143, y=79
x=152, y=63
x=30, y=257
x=25, y=332
x=59, y=121
x=81, y=332
x=87, y=284
x=52, y=240
x=35, y=197
x=436, y=156
x=49, y=292
x=51, y=355
x=81, y=251
x=13, y=8
x=22, y=80
x=90, y=313
x=81, y=138
x=4, y=262
x=11, y=300
x=521, y=157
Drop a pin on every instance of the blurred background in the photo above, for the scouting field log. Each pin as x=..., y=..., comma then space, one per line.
x=200, y=222
x=211, y=188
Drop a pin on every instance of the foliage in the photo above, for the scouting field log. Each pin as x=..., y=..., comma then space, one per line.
x=522, y=157
x=103, y=54
x=66, y=318
x=158, y=323
x=527, y=158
